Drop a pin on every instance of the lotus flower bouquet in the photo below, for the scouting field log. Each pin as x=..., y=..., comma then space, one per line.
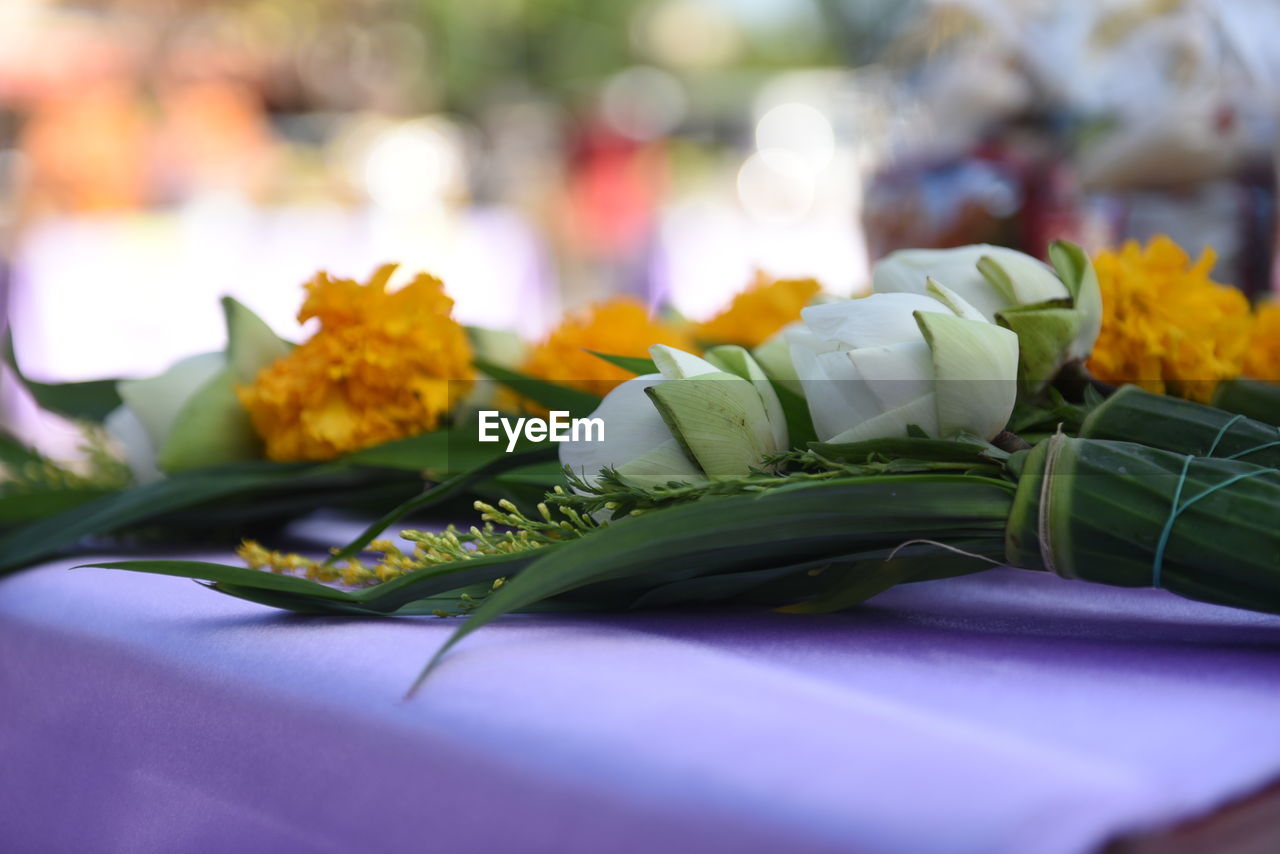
x=871, y=442
x=246, y=438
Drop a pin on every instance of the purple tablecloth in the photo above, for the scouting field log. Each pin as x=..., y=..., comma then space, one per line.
x=1004, y=712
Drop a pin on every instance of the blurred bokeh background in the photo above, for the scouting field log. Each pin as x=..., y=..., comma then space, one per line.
x=541, y=154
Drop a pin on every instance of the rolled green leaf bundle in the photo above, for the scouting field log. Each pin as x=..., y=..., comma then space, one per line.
x=1128, y=515
x=1171, y=424
x=1258, y=399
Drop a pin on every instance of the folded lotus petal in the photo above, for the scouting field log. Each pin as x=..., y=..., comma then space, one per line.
x=907, y=271
x=737, y=361
x=774, y=356
x=676, y=364
x=501, y=347
x=251, y=345
x=1020, y=279
x=897, y=374
x=1044, y=341
x=802, y=336
x=952, y=300
x=1033, y=281
x=874, y=321
x=139, y=454
x=156, y=401
x=921, y=412
x=632, y=428
x=1076, y=271
x=812, y=380
x=665, y=464
x=720, y=421
x=975, y=366
x=833, y=389
x=212, y=428
x=850, y=387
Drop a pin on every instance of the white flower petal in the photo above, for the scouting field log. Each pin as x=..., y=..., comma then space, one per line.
x=632, y=428
x=897, y=374
x=123, y=426
x=665, y=463
x=921, y=412
x=874, y=321
x=800, y=335
x=833, y=389
x=676, y=364
x=907, y=271
x=847, y=385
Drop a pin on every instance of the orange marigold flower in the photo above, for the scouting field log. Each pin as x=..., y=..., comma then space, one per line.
x=618, y=327
x=383, y=365
x=1263, y=359
x=1166, y=326
x=758, y=312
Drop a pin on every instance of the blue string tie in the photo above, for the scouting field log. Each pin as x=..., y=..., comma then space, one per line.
x=1176, y=509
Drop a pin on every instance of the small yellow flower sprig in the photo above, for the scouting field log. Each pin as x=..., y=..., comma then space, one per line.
x=43, y=475
x=542, y=531
x=505, y=530
x=99, y=468
x=391, y=563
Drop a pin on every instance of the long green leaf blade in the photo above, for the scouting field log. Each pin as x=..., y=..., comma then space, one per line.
x=89, y=401
x=750, y=532
x=222, y=573
x=637, y=365
x=545, y=392
x=796, y=411
x=105, y=515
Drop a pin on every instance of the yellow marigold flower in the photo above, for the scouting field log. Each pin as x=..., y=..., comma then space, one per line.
x=618, y=327
x=758, y=312
x=1263, y=359
x=383, y=365
x=1167, y=326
